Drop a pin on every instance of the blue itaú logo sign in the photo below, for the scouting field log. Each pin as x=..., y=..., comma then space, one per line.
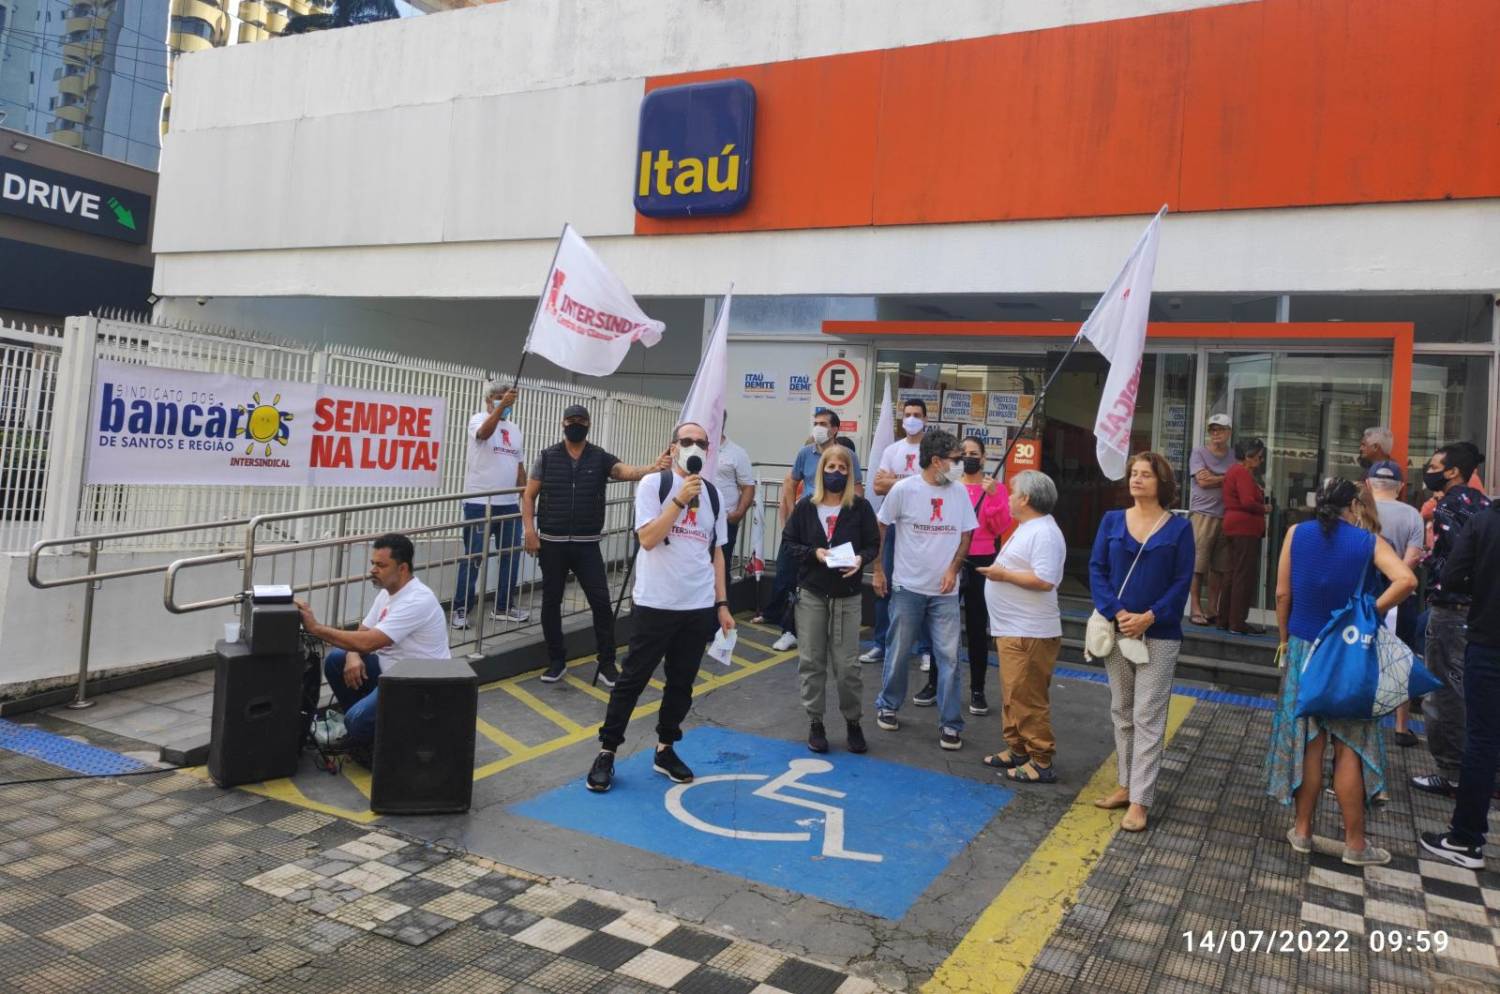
x=694, y=149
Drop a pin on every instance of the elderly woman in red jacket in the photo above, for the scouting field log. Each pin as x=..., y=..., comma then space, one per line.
x=1244, y=527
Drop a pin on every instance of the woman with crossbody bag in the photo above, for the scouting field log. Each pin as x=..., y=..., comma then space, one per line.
x=1139, y=574
x=991, y=502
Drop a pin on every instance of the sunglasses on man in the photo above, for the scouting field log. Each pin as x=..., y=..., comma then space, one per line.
x=702, y=443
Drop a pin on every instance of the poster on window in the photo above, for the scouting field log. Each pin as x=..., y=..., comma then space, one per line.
x=152, y=425
x=963, y=406
x=1007, y=409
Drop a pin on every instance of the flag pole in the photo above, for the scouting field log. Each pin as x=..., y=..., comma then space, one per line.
x=1040, y=397
x=546, y=282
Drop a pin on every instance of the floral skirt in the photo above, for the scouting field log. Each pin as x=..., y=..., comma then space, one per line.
x=1290, y=735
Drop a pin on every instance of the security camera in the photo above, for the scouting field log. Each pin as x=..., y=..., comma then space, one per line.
x=202, y=301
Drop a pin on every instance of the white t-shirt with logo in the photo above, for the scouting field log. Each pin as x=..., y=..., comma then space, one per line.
x=930, y=522
x=732, y=471
x=1015, y=612
x=678, y=575
x=829, y=516
x=902, y=458
x=493, y=461
x=413, y=621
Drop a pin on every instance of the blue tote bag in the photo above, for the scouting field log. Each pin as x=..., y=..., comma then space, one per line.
x=1356, y=668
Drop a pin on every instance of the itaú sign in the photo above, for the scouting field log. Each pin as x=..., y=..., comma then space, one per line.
x=694, y=149
x=69, y=201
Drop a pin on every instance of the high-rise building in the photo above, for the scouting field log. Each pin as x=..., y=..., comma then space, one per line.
x=89, y=74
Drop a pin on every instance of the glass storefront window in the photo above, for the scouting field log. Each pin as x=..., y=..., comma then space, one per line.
x=1450, y=402
x=1450, y=318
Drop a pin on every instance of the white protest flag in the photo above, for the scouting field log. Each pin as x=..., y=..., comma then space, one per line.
x=1117, y=328
x=586, y=318
x=757, y=564
x=705, y=399
x=885, y=435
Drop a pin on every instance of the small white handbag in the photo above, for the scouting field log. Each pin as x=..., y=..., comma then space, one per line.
x=1100, y=636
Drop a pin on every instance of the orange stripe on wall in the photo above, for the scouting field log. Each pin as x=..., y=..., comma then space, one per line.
x=1272, y=104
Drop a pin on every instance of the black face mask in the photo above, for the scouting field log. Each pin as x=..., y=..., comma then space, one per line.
x=1435, y=481
x=575, y=433
x=835, y=483
x=973, y=464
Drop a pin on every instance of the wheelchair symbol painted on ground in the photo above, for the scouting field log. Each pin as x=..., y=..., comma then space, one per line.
x=772, y=790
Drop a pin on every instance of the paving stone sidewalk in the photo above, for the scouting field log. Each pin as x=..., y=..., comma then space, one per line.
x=165, y=883
x=1215, y=857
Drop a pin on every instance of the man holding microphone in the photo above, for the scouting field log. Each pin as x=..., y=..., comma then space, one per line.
x=680, y=600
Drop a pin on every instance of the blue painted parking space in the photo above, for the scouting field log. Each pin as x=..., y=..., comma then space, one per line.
x=855, y=831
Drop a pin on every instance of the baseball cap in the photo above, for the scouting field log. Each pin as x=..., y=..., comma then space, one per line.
x=1386, y=469
x=1221, y=420
x=575, y=411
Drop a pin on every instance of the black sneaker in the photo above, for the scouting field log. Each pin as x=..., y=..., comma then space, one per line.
x=950, y=740
x=887, y=720
x=857, y=738
x=1443, y=846
x=926, y=697
x=817, y=738
x=977, y=703
x=668, y=765
x=602, y=773
x=1405, y=739
x=555, y=672
x=1434, y=783
x=608, y=674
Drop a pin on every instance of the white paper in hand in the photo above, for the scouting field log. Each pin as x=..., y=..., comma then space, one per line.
x=841, y=556
x=723, y=646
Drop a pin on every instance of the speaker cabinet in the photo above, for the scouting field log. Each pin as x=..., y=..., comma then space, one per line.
x=257, y=715
x=274, y=629
x=424, y=737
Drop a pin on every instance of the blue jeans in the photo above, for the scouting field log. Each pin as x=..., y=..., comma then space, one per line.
x=357, y=703
x=1476, y=777
x=782, y=608
x=883, y=604
x=507, y=534
x=910, y=613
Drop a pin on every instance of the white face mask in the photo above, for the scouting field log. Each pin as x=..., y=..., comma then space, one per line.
x=686, y=452
x=912, y=424
x=820, y=434
x=955, y=472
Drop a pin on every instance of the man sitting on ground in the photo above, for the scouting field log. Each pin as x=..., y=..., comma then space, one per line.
x=405, y=622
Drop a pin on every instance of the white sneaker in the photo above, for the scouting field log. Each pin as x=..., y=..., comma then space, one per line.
x=926, y=662
x=460, y=620
x=874, y=655
x=787, y=641
x=516, y=614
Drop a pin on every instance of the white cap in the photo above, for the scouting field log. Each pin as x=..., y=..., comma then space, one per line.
x=1222, y=420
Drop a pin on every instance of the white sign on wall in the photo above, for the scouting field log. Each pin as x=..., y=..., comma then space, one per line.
x=171, y=426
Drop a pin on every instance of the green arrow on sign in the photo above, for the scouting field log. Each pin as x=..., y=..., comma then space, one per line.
x=122, y=214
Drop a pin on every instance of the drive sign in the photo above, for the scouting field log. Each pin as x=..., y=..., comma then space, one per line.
x=51, y=197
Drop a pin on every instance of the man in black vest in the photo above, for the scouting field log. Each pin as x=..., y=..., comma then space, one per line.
x=571, y=478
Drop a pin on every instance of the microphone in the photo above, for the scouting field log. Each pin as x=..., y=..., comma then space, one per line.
x=694, y=466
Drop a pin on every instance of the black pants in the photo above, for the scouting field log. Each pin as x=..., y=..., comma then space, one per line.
x=586, y=563
x=679, y=637
x=731, y=532
x=976, y=617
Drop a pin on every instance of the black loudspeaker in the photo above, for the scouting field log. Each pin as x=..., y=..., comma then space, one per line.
x=424, y=737
x=275, y=629
x=257, y=715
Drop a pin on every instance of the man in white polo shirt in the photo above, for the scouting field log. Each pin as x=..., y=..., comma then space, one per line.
x=404, y=622
x=679, y=602
x=494, y=461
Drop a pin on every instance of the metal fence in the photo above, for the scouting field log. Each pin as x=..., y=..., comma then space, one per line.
x=29, y=360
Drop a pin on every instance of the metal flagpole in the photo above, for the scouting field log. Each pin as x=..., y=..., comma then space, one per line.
x=1040, y=397
x=546, y=282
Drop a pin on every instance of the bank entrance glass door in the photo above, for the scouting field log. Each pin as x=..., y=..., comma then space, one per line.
x=1311, y=409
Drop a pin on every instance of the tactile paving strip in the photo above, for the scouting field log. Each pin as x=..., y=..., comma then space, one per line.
x=80, y=757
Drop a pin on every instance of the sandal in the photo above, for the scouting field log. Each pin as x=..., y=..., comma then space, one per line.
x=1130, y=825
x=998, y=761
x=1043, y=774
x=1111, y=804
x=1201, y=619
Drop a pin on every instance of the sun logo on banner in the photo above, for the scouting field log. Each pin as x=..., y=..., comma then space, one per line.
x=265, y=423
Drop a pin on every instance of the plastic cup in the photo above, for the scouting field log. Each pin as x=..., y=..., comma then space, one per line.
x=231, y=631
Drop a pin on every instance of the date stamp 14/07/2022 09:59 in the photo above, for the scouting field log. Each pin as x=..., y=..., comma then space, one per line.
x=1320, y=940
